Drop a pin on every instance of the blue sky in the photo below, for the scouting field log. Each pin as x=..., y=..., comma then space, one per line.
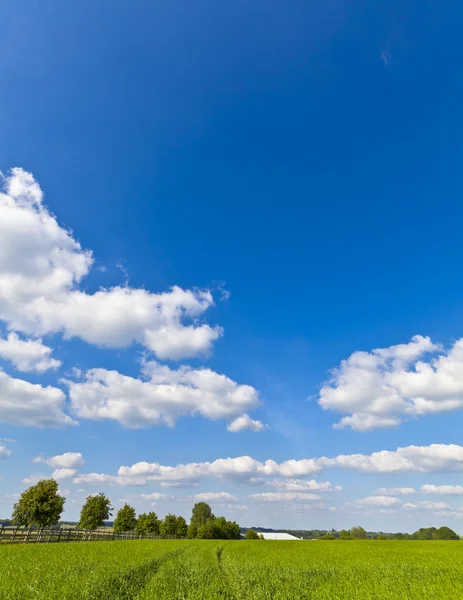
x=294, y=172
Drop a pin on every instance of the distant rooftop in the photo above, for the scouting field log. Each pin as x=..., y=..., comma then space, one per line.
x=279, y=536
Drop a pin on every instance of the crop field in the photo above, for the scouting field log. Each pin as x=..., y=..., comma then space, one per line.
x=182, y=569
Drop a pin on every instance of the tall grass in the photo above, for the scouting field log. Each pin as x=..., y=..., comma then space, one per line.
x=241, y=570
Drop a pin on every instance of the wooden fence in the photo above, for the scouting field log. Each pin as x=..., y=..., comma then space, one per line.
x=18, y=535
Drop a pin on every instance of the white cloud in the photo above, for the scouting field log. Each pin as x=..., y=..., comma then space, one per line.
x=450, y=490
x=232, y=507
x=155, y=496
x=242, y=467
x=103, y=478
x=403, y=491
x=212, y=497
x=284, y=496
x=442, y=458
x=365, y=422
x=426, y=505
x=63, y=473
x=245, y=422
x=68, y=460
x=165, y=396
x=27, y=404
x=385, y=386
x=435, y=458
x=299, y=485
x=4, y=452
x=385, y=501
x=32, y=479
x=27, y=355
x=42, y=266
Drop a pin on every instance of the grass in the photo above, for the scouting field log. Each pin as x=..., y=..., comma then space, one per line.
x=242, y=570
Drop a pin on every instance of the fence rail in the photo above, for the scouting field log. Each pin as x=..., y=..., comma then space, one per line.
x=18, y=535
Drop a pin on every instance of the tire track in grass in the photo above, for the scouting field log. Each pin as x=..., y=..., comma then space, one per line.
x=128, y=584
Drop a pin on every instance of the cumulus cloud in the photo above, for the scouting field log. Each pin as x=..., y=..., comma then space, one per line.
x=299, y=485
x=436, y=458
x=426, y=505
x=284, y=496
x=63, y=473
x=155, y=496
x=233, y=507
x=27, y=355
x=242, y=468
x=245, y=422
x=164, y=396
x=212, y=497
x=425, y=459
x=384, y=501
x=403, y=491
x=442, y=490
x=27, y=404
x=383, y=387
x=42, y=267
x=68, y=460
x=4, y=452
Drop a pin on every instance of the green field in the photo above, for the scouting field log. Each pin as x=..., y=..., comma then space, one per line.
x=178, y=569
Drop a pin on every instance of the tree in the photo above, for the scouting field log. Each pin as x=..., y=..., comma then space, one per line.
x=192, y=531
x=445, y=533
x=125, y=519
x=169, y=525
x=96, y=510
x=201, y=513
x=380, y=536
x=358, y=533
x=147, y=523
x=182, y=527
x=345, y=535
x=252, y=535
x=39, y=505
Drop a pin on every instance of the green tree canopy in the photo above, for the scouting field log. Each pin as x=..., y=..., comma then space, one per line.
x=147, y=523
x=169, y=525
x=39, y=505
x=182, y=527
x=126, y=519
x=345, y=535
x=192, y=531
x=358, y=532
x=445, y=533
x=252, y=535
x=96, y=510
x=202, y=512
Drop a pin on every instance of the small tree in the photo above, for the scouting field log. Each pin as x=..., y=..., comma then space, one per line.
x=169, y=525
x=182, y=527
x=201, y=513
x=252, y=535
x=345, y=535
x=358, y=533
x=192, y=531
x=39, y=505
x=147, y=523
x=96, y=510
x=125, y=519
x=445, y=533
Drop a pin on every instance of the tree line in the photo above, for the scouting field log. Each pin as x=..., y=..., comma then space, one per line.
x=41, y=506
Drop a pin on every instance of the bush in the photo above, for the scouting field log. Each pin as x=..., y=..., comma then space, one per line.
x=252, y=535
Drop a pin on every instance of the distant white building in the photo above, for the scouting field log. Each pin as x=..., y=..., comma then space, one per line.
x=279, y=536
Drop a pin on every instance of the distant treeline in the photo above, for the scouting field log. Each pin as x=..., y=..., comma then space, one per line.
x=429, y=533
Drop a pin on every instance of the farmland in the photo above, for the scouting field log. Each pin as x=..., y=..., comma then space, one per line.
x=183, y=569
